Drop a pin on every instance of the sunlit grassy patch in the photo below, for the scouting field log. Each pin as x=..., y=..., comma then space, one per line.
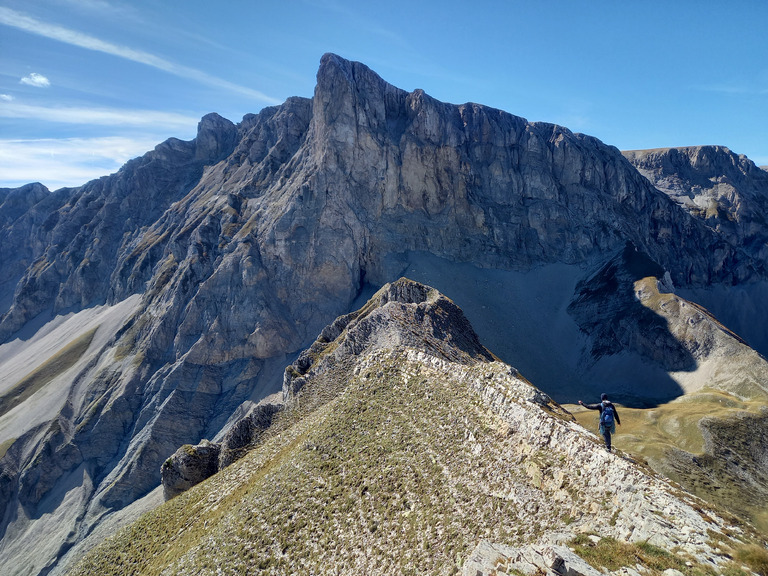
x=655, y=435
x=613, y=554
x=756, y=557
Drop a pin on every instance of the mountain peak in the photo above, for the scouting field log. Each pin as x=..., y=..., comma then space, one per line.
x=401, y=315
x=403, y=312
x=211, y=261
x=331, y=64
x=216, y=138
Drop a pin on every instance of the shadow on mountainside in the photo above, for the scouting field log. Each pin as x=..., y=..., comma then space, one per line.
x=607, y=308
x=571, y=337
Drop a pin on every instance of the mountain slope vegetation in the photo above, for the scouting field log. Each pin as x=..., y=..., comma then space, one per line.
x=401, y=458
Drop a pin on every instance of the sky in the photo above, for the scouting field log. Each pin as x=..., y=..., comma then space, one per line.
x=86, y=85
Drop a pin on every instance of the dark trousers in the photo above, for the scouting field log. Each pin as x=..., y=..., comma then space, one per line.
x=606, y=431
x=607, y=436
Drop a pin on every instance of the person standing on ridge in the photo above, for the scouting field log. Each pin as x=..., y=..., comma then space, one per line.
x=609, y=417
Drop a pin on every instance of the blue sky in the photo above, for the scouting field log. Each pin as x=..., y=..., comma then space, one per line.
x=85, y=85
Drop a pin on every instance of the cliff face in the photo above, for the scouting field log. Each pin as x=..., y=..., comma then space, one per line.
x=729, y=194
x=725, y=190
x=204, y=265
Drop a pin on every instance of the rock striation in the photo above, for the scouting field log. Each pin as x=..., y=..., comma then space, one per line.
x=729, y=194
x=725, y=190
x=190, y=465
x=242, y=244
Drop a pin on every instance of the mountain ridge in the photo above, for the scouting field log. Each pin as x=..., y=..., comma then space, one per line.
x=241, y=245
x=399, y=452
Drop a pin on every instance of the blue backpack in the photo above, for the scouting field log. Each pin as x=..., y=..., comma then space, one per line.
x=606, y=417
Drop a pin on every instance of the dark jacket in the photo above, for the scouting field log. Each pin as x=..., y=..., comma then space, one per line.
x=599, y=406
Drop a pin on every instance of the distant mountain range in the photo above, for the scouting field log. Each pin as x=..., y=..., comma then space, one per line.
x=158, y=306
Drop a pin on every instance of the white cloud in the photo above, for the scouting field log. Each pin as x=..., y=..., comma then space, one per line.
x=36, y=79
x=68, y=161
x=101, y=116
x=6, y=97
x=26, y=23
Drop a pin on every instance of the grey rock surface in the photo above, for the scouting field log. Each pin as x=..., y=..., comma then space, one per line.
x=245, y=242
x=723, y=189
x=188, y=466
x=489, y=558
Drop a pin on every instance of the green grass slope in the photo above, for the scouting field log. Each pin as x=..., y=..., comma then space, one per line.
x=403, y=448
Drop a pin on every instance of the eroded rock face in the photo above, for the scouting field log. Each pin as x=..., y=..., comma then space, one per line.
x=489, y=558
x=190, y=465
x=607, y=308
x=725, y=190
x=245, y=242
x=400, y=314
x=447, y=437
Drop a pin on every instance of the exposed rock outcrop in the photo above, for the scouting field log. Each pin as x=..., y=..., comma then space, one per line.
x=421, y=309
x=489, y=558
x=725, y=190
x=245, y=242
x=190, y=465
x=402, y=453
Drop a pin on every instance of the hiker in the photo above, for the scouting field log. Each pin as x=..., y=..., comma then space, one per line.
x=609, y=417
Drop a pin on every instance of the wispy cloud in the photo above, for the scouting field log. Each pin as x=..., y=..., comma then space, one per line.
x=370, y=25
x=68, y=161
x=35, y=79
x=15, y=19
x=6, y=97
x=99, y=116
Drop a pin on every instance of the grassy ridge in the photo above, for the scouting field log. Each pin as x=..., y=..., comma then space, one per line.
x=397, y=474
x=397, y=470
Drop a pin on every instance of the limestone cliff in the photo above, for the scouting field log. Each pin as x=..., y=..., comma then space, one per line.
x=725, y=190
x=729, y=194
x=204, y=267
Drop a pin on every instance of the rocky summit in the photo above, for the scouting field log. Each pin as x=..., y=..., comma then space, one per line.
x=157, y=307
x=404, y=446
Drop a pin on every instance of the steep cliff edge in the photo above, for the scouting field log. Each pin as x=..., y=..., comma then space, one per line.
x=729, y=194
x=725, y=190
x=245, y=242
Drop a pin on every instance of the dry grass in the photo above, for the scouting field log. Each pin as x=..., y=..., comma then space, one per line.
x=397, y=470
x=754, y=556
x=652, y=431
x=612, y=555
x=384, y=475
x=653, y=434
